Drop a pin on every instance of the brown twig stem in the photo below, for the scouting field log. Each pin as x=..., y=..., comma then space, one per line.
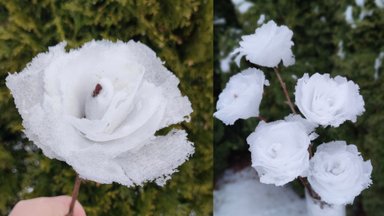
x=261, y=118
x=75, y=193
x=284, y=87
x=303, y=180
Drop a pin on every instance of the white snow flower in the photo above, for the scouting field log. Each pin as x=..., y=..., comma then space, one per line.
x=338, y=173
x=328, y=101
x=279, y=149
x=241, y=96
x=269, y=45
x=98, y=108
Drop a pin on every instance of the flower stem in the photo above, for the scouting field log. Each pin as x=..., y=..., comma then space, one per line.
x=261, y=118
x=284, y=87
x=75, y=193
x=303, y=180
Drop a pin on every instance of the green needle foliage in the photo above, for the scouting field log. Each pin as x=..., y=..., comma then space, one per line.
x=320, y=30
x=181, y=34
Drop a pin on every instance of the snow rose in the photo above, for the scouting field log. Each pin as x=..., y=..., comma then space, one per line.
x=98, y=108
x=269, y=45
x=279, y=149
x=338, y=173
x=328, y=101
x=241, y=96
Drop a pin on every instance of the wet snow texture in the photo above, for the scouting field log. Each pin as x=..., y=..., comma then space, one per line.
x=241, y=193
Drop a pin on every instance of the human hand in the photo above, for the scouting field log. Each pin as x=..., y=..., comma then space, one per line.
x=46, y=206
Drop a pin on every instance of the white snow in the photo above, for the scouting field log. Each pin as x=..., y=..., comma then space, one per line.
x=261, y=19
x=242, y=5
x=349, y=16
x=241, y=193
x=340, y=51
x=360, y=3
x=365, y=13
x=377, y=65
x=225, y=63
x=219, y=21
x=379, y=3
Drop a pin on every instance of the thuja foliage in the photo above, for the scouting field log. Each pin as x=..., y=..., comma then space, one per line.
x=324, y=42
x=181, y=34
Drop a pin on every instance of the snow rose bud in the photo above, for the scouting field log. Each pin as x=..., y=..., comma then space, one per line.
x=338, y=173
x=98, y=108
x=241, y=96
x=279, y=149
x=268, y=46
x=328, y=101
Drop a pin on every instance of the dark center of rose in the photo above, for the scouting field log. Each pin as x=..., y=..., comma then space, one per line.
x=97, y=90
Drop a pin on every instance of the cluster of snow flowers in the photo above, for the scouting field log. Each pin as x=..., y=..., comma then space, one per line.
x=280, y=149
x=242, y=95
x=98, y=108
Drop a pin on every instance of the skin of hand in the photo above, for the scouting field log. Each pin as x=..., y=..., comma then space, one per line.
x=46, y=206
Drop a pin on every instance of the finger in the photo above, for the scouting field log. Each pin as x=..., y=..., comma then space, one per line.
x=65, y=202
x=47, y=206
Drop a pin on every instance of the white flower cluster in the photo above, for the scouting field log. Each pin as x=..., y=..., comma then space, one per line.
x=98, y=108
x=280, y=149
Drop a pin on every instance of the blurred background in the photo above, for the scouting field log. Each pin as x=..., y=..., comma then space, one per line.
x=181, y=34
x=338, y=37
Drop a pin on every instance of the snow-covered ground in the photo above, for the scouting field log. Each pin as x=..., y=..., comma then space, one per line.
x=241, y=193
